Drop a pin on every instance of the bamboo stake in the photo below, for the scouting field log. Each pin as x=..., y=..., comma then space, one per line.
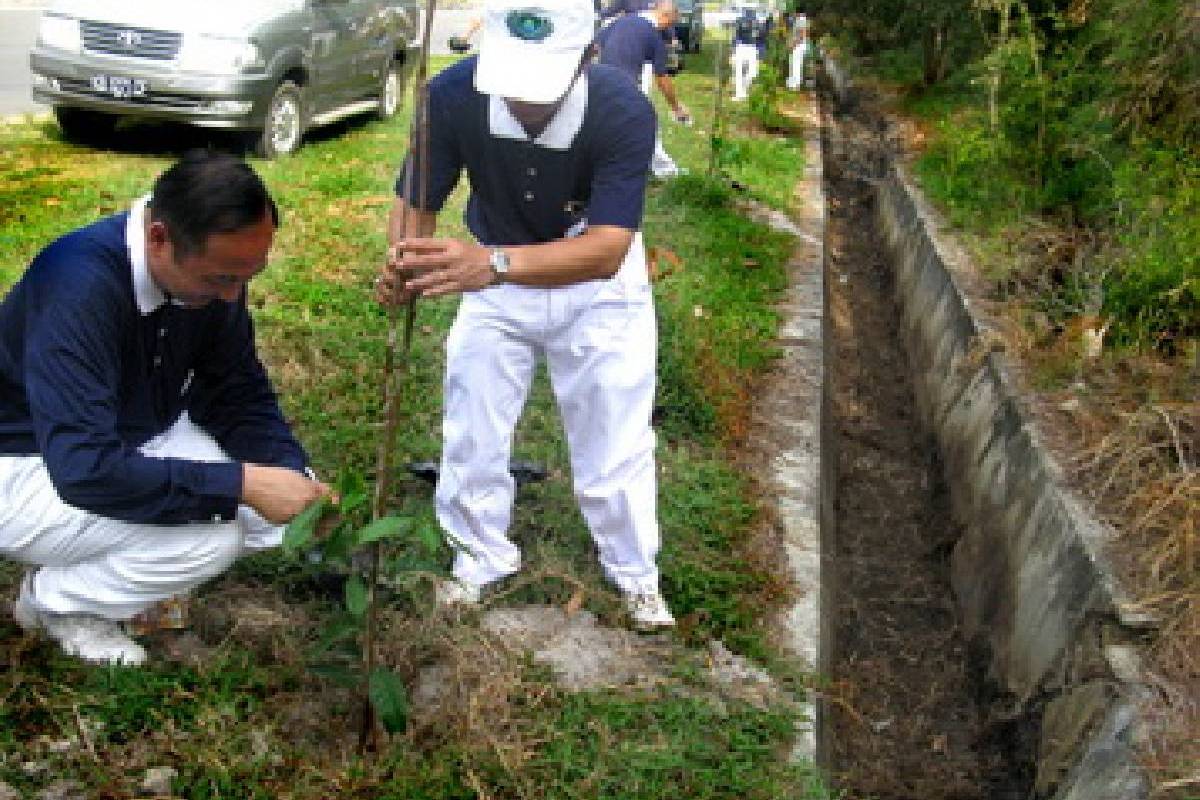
x=718, y=92
x=395, y=367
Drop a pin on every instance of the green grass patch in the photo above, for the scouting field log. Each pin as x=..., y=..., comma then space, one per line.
x=631, y=748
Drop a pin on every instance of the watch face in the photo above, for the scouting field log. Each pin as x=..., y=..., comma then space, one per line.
x=499, y=260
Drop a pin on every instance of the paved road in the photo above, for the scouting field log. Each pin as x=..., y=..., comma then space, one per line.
x=18, y=28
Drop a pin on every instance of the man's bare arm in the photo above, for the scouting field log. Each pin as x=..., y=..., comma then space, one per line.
x=432, y=267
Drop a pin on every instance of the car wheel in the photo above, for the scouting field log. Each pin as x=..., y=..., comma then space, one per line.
x=389, y=91
x=84, y=125
x=283, y=126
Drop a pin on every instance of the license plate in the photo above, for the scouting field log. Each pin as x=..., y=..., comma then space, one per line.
x=120, y=88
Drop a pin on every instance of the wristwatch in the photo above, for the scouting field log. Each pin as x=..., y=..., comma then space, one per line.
x=499, y=262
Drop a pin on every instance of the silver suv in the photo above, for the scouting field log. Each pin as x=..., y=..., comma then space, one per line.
x=272, y=68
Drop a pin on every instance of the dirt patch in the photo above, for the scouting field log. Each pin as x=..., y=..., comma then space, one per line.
x=910, y=715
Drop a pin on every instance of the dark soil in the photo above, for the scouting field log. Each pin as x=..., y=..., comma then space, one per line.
x=910, y=715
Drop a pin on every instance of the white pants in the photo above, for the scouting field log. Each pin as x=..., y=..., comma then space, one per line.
x=88, y=564
x=661, y=163
x=745, y=67
x=796, y=66
x=598, y=340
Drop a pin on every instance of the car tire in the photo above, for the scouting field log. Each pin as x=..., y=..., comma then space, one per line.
x=84, y=125
x=391, y=89
x=283, y=126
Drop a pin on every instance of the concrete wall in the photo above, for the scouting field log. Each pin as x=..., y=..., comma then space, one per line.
x=1030, y=580
x=1032, y=586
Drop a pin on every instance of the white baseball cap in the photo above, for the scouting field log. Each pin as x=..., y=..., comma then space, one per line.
x=530, y=49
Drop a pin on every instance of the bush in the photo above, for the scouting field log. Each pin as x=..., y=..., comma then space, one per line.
x=1153, y=289
x=764, y=98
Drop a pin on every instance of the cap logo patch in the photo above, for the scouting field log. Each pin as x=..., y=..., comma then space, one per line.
x=529, y=24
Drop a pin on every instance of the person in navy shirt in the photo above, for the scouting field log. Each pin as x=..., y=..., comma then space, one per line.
x=557, y=151
x=634, y=44
x=141, y=446
x=749, y=45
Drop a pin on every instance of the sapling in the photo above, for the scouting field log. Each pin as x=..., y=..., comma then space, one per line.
x=384, y=700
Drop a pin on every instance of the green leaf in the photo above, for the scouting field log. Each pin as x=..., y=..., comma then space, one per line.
x=356, y=595
x=430, y=537
x=383, y=528
x=351, y=484
x=341, y=630
x=389, y=698
x=337, y=546
x=336, y=673
x=300, y=530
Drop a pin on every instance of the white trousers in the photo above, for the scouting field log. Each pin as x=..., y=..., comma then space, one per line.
x=796, y=66
x=89, y=564
x=745, y=68
x=661, y=163
x=598, y=340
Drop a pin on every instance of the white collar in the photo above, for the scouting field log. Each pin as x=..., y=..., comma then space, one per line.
x=145, y=291
x=562, y=129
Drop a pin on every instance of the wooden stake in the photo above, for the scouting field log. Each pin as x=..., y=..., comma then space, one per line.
x=395, y=367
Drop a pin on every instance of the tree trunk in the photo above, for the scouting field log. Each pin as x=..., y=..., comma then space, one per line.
x=934, y=52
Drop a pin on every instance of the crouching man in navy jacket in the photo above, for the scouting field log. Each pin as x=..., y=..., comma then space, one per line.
x=141, y=446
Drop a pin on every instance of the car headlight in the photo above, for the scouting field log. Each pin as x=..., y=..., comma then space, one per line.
x=59, y=32
x=220, y=55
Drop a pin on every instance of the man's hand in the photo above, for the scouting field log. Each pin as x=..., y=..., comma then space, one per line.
x=390, y=289
x=278, y=493
x=682, y=115
x=431, y=268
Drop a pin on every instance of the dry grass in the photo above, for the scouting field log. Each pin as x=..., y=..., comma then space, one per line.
x=1139, y=467
x=1126, y=428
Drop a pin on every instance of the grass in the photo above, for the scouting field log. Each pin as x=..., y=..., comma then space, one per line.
x=250, y=720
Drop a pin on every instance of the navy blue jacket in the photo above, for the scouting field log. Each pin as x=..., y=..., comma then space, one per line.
x=85, y=378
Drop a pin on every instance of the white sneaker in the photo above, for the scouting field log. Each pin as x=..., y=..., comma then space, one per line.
x=457, y=593
x=667, y=174
x=648, y=610
x=93, y=639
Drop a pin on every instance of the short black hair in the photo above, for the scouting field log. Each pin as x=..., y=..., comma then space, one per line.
x=208, y=192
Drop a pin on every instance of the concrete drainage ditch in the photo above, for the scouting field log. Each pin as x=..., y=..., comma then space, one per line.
x=1045, y=632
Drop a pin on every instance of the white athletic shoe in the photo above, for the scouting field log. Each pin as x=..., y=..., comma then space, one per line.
x=667, y=174
x=93, y=639
x=457, y=593
x=648, y=610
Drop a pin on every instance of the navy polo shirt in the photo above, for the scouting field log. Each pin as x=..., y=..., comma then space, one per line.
x=748, y=29
x=87, y=375
x=631, y=41
x=588, y=167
